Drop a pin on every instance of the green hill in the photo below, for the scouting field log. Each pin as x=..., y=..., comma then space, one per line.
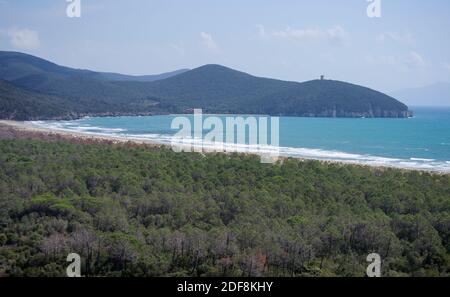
x=78, y=85
x=20, y=104
x=214, y=88
x=219, y=89
x=15, y=65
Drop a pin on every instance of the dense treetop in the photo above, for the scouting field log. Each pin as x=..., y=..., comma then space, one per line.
x=146, y=211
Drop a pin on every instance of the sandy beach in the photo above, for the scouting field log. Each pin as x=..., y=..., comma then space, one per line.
x=27, y=130
x=30, y=128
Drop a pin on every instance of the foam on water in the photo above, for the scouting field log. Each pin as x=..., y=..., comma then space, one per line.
x=73, y=127
x=422, y=159
x=421, y=163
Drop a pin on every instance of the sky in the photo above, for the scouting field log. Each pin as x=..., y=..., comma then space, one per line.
x=298, y=40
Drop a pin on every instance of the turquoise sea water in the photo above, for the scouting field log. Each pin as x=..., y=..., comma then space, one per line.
x=421, y=142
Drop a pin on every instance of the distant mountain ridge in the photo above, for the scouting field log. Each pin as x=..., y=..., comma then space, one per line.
x=14, y=65
x=214, y=88
x=142, y=78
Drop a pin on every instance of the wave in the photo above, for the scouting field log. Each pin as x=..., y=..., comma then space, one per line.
x=295, y=152
x=73, y=127
x=422, y=160
x=304, y=153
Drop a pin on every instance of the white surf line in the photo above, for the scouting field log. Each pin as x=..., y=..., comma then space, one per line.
x=300, y=153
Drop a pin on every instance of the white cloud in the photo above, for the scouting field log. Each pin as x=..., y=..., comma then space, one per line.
x=179, y=48
x=23, y=38
x=397, y=37
x=298, y=33
x=261, y=31
x=209, y=43
x=383, y=59
x=335, y=35
x=414, y=60
x=401, y=62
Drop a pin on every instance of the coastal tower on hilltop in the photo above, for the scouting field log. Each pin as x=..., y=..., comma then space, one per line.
x=322, y=77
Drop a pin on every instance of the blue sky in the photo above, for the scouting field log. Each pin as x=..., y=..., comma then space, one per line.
x=409, y=46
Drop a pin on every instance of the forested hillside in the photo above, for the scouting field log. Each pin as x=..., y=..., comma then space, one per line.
x=21, y=104
x=15, y=65
x=17, y=103
x=143, y=211
x=219, y=89
x=40, y=89
x=214, y=88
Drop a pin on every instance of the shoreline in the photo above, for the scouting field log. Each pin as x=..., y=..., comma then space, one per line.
x=28, y=127
x=27, y=130
x=77, y=116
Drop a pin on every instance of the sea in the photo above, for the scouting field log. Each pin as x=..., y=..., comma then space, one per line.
x=421, y=142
